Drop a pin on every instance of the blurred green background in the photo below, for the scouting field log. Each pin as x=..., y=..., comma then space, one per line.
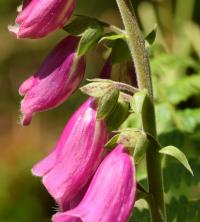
x=175, y=65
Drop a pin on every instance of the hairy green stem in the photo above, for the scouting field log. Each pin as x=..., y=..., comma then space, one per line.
x=136, y=45
x=140, y=58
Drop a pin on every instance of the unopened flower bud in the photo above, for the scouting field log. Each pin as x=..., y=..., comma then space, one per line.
x=39, y=18
x=58, y=77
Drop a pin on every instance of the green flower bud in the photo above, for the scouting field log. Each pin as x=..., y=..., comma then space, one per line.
x=107, y=103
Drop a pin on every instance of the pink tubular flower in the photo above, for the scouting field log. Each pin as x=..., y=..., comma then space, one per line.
x=76, y=156
x=38, y=18
x=58, y=77
x=111, y=194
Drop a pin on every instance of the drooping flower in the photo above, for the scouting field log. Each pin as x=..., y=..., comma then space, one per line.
x=111, y=194
x=38, y=18
x=58, y=77
x=76, y=156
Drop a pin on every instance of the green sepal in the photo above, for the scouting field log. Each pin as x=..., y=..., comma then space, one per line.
x=97, y=89
x=80, y=23
x=118, y=116
x=112, y=142
x=127, y=137
x=88, y=39
x=177, y=154
x=89, y=29
x=107, y=103
x=136, y=140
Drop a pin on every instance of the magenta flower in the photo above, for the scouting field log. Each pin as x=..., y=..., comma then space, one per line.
x=76, y=156
x=111, y=194
x=107, y=69
x=38, y=18
x=58, y=77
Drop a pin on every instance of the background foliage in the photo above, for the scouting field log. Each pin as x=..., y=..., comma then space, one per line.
x=175, y=66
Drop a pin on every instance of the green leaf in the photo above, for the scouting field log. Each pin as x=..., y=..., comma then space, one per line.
x=163, y=64
x=150, y=38
x=97, y=89
x=140, y=215
x=192, y=32
x=176, y=137
x=89, y=37
x=90, y=29
x=107, y=103
x=179, y=155
x=163, y=124
x=133, y=121
x=120, y=51
x=111, y=36
x=172, y=182
x=189, y=119
x=183, y=89
x=178, y=210
x=183, y=210
x=80, y=23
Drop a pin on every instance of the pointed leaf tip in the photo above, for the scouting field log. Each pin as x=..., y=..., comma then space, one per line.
x=150, y=38
x=107, y=103
x=178, y=154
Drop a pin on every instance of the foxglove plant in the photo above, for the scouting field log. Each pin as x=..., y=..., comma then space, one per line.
x=86, y=189
x=58, y=77
x=37, y=18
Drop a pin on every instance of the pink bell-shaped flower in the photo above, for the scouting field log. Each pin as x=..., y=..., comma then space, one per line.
x=76, y=156
x=58, y=77
x=38, y=18
x=111, y=194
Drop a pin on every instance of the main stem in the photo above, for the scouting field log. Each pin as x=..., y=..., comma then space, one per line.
x=136, y=45
x=141, y=61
